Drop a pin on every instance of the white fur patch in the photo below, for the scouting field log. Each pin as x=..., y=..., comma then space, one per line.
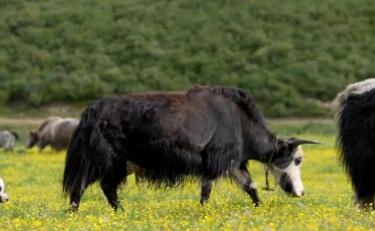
x=293, y=171
x=253, y=186
x=74, y=204
x=3, y=196
x=357, y=88
x=364, y=86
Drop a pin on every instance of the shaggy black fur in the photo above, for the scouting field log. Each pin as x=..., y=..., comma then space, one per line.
x=206, y=131
x=356, y=140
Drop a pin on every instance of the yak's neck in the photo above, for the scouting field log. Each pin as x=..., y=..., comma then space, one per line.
x=263, y=148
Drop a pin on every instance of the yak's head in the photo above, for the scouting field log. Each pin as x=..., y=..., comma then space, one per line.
x=33, y=139
x=286, y=164
x=3, y=196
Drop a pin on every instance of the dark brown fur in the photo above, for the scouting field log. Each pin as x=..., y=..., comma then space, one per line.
x=55, y=132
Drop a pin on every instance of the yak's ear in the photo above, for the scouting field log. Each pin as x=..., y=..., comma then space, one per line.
x=295, y=142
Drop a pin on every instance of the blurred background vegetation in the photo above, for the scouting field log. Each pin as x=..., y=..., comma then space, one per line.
x=293, y=56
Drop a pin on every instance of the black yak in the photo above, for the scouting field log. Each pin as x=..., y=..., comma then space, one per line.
x=356, y=136
x=206, y=132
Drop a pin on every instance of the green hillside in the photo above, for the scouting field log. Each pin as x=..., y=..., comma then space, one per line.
x=292, y=55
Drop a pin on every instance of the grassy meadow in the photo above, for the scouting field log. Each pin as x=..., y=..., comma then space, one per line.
x=34, y=185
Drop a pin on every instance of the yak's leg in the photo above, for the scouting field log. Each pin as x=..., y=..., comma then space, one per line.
x=266, y=176
x=42, y=144
x=138, y=172
x=76, y=193
x=75, y=197
x=366, y=203
x=139, y=175
x=139, y=178
x=112, y=181
x=266, y=171
x=110, y=191
x=242, y=177
x=206, y=187
x=8, y=146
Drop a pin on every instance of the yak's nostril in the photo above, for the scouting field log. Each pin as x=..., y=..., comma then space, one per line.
x=4, y=199
x=299, y=194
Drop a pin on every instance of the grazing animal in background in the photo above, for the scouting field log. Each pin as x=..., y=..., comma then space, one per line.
x=8, y=139
x=206, y=132
x=55, y=131
x=3, y=196
x=138, y=172
x=356, y=136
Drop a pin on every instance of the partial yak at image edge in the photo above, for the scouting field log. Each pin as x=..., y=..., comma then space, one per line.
x=355, y=139
x=3, y=196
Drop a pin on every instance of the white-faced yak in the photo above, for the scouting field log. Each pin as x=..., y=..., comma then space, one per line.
x=356, y=138
x=205, y=132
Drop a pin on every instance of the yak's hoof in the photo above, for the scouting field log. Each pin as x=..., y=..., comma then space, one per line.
x=257, y=204
x=120, y=207
x=117, y=206
x=366, y=207
x=74, y=208
x=203, y=202
x=71, y=210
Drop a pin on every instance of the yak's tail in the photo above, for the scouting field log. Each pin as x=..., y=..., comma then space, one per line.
x=81, y=167
x=356, y=136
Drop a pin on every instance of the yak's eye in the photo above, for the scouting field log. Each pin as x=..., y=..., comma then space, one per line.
x=1, y=189
x=298, y=160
